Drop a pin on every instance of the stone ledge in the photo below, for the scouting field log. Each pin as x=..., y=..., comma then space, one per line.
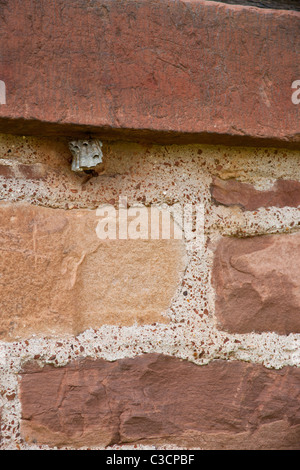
x=157, y=70
x=273, y=4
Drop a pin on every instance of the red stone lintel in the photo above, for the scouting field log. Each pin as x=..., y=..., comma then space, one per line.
x=159, y=70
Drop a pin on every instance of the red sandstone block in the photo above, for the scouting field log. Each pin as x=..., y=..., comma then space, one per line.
x=284, y=193
x=187, y=70
x=160, y=399
x=22, y=171
x=257, y=284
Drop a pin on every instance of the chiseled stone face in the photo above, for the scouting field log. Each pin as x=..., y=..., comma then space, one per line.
x=57, y=276
x=284, y=193
x=257, y=284
x=151, y=66
x=160, y=399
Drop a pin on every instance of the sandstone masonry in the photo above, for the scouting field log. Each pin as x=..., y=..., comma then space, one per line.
x=232, y=405
x=133, y=322
x=140, y=342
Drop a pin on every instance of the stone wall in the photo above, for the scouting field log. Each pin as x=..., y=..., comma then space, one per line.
x=184, y=335
x=125, y=342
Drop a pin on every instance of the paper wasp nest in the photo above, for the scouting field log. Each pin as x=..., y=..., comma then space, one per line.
x=87, y=154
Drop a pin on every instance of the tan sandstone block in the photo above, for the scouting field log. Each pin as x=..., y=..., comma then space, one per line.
x=57, y=276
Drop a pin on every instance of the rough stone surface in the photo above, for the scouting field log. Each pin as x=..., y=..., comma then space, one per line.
x=21, y=171
x=143, y=68
x=150, y=174
x=257, y=284
x=284, y=193
x=155, y=398
x=58, y=277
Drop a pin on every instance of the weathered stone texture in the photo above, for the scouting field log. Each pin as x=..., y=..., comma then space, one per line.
x=132, y=68
x=161, y=399
x=57, y=276
x=284, y=193
x=21, y=171
x=257, y=284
